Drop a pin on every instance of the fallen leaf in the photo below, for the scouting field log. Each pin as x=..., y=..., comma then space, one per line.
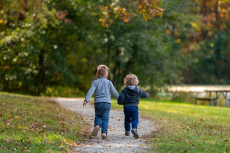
x=188, y=128
x=187, y=141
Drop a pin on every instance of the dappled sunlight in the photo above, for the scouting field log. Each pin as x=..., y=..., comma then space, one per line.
x=217, y=114
x=188, y=127
x=36, y=123
x=197, y=88
x=178, y=49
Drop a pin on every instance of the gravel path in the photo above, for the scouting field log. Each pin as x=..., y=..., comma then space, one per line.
x=117, y=142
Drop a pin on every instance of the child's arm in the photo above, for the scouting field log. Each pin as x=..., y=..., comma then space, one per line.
x=89, y=93
x=144, y=94
x=121, y=98
x=113, y=91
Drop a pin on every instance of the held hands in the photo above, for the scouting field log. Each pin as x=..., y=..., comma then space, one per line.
x=84, y=103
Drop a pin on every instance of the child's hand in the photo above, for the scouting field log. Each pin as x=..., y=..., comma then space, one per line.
x=84, y=103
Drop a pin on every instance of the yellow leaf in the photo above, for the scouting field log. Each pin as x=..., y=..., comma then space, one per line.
x=223, y=10
x=159, y=13
x=178, y=40
x=1, y=21
x=195, y=25
x=187, y=141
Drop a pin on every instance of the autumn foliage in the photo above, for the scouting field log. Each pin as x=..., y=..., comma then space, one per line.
x=147, y=8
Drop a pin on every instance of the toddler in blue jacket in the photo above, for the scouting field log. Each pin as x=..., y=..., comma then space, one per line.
x=129, y=98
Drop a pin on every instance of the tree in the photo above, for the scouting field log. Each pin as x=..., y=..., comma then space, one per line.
x=32, y=47
x=53, y=43
x=211, y=55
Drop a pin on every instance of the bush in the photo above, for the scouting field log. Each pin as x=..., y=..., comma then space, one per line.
x=59, y=91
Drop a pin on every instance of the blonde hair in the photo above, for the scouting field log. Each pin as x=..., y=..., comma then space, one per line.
x=102, y=71
x=131, y=80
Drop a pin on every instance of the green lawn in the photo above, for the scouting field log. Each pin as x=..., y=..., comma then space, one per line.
x=187, y=128
x=33, y=124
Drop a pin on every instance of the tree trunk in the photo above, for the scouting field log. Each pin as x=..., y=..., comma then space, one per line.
x=216, y=10
x=108, y=55
x=115, y=69
x=41, y=73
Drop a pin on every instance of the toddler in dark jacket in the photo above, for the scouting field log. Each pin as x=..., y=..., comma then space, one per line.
x=129, y=98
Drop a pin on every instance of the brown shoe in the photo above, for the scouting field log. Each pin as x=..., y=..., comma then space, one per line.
x=95, y=130
x=104, y=136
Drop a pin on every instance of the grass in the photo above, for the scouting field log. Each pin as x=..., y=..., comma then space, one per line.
x=187, y=128
x=33, y=124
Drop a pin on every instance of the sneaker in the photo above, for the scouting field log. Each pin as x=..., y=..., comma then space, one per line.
x=127, y=133
x=95, y=130
x=135, y=134
x=104, y=135
x=90, y=136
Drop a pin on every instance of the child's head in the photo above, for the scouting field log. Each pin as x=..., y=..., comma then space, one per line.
x=131, y=80
x=102, y=71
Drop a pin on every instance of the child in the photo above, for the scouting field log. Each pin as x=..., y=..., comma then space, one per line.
x=129, y=97
x=102, y=100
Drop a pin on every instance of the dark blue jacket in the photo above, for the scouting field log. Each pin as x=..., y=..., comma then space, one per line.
x=129, y=97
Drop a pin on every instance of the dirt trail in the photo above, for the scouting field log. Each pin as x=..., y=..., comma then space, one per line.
x=117, y=142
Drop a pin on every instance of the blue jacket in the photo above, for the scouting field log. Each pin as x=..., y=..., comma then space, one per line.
x=130, y=97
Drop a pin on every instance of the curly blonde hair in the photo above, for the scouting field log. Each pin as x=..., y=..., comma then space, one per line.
x=131, y=80
x=102, y=71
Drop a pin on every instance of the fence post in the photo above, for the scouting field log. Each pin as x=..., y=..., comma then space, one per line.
x=211, y=102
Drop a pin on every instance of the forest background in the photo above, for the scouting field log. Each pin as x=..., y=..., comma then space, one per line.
x=53, y=47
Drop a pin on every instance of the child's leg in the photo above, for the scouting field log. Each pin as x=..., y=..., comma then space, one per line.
x=105, y=117
x=135, y=120
x=97, y=120
x=127, y=118
x=98, y=114
x=134, y=116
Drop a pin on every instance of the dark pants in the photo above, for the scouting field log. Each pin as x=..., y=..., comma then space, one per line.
x=102, y=115
x=131, y=116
